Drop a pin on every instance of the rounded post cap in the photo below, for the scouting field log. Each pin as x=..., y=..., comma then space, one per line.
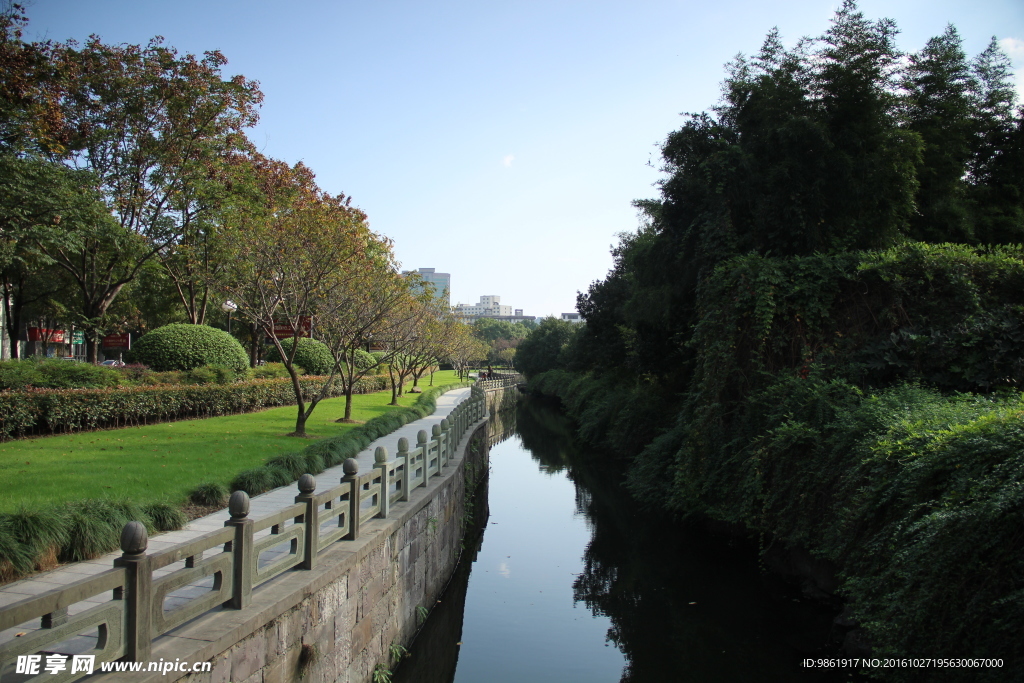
x=444, y=425
x=350, y=466
x=134, y=538
x=421, y=436
x=307, y=483
x=238, y=504
x=435, y=430
x=380, y=454
x=403, y=445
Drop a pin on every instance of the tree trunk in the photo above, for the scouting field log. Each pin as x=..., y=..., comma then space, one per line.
x=254, y=345
x=394, y=387
x=300, y=420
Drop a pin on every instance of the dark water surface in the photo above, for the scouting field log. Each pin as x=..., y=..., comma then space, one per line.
x=568, y=583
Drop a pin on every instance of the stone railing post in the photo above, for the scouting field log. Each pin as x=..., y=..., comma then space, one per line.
x=446, y=438
x=403, y=453
x=421, y=443
x=351, y=469
x=435, y=437
x=137, y=591
x=241, y=550
x=380, y=461
x=310, y=519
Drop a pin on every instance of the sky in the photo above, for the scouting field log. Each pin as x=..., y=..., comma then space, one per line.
x=503, y=143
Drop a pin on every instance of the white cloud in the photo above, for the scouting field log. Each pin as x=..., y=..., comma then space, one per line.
x=507, y=161
x=1014, y=48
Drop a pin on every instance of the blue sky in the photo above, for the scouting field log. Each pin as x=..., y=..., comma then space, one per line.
x=500, y=142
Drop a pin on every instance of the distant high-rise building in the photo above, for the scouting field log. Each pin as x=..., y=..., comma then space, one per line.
x=442, y=282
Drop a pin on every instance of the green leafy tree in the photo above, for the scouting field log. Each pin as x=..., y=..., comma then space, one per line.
x=996, y=171
x=146, y=122
x=290, y=257
x=939, y=84
x=45, y=209
x=543, y=349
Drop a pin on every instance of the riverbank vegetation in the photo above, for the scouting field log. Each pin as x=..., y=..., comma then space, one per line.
x=816, y=332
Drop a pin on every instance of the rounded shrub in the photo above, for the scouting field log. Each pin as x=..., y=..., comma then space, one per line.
x=312, y=356
x=186, y=347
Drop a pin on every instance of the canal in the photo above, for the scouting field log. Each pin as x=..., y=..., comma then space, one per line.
x=565, y=581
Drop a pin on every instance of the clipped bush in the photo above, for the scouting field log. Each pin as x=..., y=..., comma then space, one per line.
x=363, y=360
x=211, y=374
x=16, y=375
x=312, y=356
x=186, y=347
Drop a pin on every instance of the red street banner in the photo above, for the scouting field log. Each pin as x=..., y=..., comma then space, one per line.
x=117, y=341
x=282, y=330
x=41, y=334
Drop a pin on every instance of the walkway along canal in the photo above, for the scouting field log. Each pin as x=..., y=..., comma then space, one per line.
x=567, y=582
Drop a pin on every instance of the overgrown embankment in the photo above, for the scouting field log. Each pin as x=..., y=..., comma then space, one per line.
x=862, y=406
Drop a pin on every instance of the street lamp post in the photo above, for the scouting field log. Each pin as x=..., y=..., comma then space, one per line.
x=229, y=307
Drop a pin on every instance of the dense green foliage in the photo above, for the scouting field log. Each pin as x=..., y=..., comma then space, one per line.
x=817, y=333
x=544, y=348
x=312, y=356
x=186, y=347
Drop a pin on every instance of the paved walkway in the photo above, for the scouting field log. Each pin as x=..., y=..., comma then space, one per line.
x=261, y=506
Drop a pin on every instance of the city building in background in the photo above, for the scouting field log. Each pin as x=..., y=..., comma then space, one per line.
x=490, y=306
x=572, y=317
x=442, y=282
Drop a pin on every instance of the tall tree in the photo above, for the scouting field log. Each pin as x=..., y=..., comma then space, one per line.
x=996, y=172
x=147, y=123
x=289, y=260
x=939, y=84
x=45, y=208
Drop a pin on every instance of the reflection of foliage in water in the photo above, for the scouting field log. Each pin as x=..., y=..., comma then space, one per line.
x=643, y=573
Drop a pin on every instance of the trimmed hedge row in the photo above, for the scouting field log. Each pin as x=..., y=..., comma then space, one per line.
x=332, y=451
x=81, y=530
x=54, y=411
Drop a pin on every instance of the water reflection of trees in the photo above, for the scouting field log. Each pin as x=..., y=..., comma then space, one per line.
x=645, y=573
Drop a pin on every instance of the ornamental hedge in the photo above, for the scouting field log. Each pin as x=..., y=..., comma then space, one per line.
x=312, y=356
x=186, y=347
x=61, y=411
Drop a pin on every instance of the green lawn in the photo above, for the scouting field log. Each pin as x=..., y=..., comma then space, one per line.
x=166, y=461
